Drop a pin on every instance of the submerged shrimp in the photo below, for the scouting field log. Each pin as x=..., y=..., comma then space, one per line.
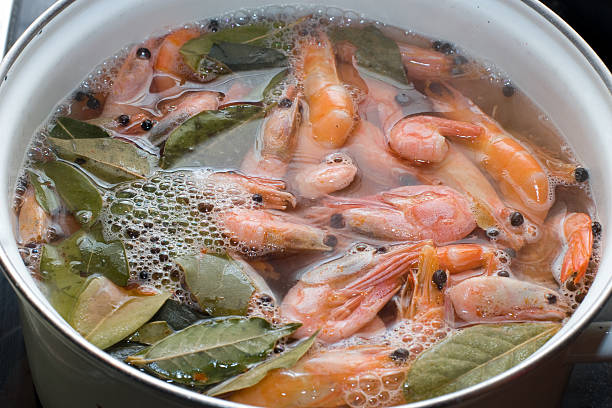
x=277, y=140
x=409, y=213
x=578, y=241
x=421, y=63
x=331, y=108
x=463, y=257
x=274, y=232
x=326, y=378
x=334, y=173
x=521, y=178
x=270, y=193
x=496, y=299
x=33, y=220
x=341, y=296
x=423, y=138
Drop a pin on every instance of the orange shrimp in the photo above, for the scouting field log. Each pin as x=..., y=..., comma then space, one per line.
x=268, y=232
x=411, y=213
x=33, y=220
x=169, y=60
x=423, y=138
x=277, y=140
x=421, y=63
x=341, y=296
x=496, y=299
x=327, y=378
x=331, y=108
x=521, y=178
x=334, y=173
x=463, y=257
x=578, y=239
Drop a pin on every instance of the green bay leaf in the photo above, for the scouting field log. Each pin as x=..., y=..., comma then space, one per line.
x=241, y=57
x=218, y=283
x=203, y=139
x=375, y=52
x=76, y=190
x=177, y=315
x=68, y=128
x=473, y=355
x=196, y=49
x=106, y=313
x=257, y=373
x=44, y=190
x=213, y=350
x=125, y=348
x=151, y=332
x=112, y=160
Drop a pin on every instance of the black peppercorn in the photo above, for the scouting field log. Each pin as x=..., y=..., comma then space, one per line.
x=596, y=228
x=516, y=219
x=285, y=103
x=447, y=48
x=403, y=99
x=436, y=45
x=146, y=125
x=439, y=278
x=143, y=53
x=93, y=103
x=79, y=96
x=503, y=274
x=213, y=25
x=123, y=120
x=257, y=198
x=336, y=221
x=508, y=89
x=551, y=299
x=400, y=355
x=581, y=174
x=143, y=275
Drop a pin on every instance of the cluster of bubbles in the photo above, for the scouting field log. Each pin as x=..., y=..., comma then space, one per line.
x=168, y=215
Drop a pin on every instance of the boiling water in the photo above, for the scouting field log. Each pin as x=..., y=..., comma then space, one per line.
x=174, y=213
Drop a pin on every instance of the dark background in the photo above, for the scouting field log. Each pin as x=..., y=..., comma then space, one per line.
x=590, y=385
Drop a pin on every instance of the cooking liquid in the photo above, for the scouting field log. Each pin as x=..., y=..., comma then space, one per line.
x=162, y=217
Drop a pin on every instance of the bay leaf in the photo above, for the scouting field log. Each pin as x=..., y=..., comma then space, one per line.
x=112, y=160
x=106, y=313
x=85, y=253
x=218, y=283
x=44, y=190
x=62, y=286
x=473, y=355
x=177, y=315
x=196, y=49
x=151, y=332
x=68, y=128
x=76, y=190
x=286, y=359
x=240, y=57
x=213, y=350
x=188, y=144
x=375, y=52
x=123, y=349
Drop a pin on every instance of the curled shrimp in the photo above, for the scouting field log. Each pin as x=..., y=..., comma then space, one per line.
x=334, y=173
x=457, y=258
x=331, y=108
x=421, y=63
x=423, y=138
x=270, y=193
x=409, y=213
x=277, y=140
x=495, y=299
x=578, y=241
x=268, y=232
x=327, y=378
x=342, y=296
x=520, y=177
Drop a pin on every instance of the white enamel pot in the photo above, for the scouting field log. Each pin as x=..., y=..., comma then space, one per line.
x=544, y=57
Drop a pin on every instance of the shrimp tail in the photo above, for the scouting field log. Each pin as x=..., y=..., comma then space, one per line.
x=579, y=240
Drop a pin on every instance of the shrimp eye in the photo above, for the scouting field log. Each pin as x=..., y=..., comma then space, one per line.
x=123, y=120
x=551, y=299
x=516, y=219
x=581, y=174
x=508, y=89
x=400, y=355
x=330, y=240
x=439, y=278
x=143, y=53
x=503, y=274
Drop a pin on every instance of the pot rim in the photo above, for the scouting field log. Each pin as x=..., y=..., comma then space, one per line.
x=546, y=352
